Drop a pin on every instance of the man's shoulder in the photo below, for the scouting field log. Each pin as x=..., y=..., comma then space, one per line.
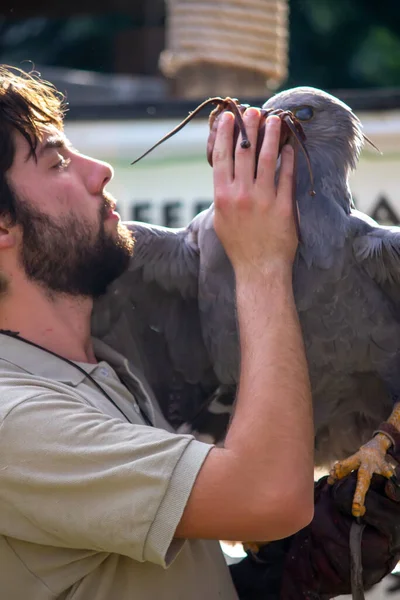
x=18, y=386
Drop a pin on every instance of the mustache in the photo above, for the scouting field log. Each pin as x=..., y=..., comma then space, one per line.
x=108, y=203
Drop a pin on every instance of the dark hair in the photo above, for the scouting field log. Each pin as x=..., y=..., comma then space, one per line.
x=27, y=103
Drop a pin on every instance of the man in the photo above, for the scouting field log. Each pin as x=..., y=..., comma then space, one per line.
x=99, y=498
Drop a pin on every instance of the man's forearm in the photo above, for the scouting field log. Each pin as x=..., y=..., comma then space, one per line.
x=272, y=425
x=259, y=486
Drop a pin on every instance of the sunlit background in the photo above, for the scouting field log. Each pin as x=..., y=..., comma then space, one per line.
x=132, y=69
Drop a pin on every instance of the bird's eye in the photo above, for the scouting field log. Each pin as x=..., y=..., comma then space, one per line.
x=305, y=113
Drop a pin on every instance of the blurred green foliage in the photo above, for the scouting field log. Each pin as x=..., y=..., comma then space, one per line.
x=344, y=43
x=333, y=43
x=78, y=41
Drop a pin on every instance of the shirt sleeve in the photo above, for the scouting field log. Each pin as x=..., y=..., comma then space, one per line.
x=71, y=476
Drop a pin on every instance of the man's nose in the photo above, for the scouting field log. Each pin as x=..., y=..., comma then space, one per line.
x=99, y=173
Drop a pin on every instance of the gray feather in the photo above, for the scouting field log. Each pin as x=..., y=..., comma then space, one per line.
x=379, y=253
x=150, y=314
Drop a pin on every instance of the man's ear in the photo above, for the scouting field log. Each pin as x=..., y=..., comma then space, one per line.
x=8, y=234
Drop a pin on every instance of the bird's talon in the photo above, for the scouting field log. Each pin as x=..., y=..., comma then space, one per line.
x=368, y=460
x=253, y=547
x=358, y=510
x=342, y=468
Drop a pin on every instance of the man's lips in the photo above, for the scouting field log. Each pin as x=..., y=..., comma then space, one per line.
x=112, y=214
x=109, y=211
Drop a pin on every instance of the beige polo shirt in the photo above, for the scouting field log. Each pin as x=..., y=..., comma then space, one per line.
x=89, y=502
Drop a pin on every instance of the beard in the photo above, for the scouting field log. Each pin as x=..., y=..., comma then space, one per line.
x=65, y=257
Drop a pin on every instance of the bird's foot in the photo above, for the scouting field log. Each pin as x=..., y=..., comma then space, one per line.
x=253, y=547
x=370, y=459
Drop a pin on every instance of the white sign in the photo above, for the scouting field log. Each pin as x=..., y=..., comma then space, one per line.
x=174, y=182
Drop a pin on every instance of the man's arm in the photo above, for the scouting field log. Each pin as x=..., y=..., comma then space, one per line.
x=260, y=484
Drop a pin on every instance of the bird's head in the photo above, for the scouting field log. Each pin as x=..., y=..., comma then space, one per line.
x=334, y=135
x=334, y=140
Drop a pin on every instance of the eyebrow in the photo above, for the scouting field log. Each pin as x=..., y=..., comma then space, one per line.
x=53, y=142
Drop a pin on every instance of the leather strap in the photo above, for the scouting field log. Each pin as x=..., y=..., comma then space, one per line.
x=391, y=432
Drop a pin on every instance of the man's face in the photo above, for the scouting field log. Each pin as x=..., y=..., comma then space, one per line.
x=71, y=240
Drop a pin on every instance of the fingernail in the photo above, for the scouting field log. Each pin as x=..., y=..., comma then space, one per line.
x=225, y=117
x=252, y=112
x=272, y=121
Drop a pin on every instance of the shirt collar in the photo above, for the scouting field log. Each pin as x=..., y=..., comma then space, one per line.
x=44, y=364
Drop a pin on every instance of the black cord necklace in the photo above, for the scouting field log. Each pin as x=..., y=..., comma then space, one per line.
x=15, y=334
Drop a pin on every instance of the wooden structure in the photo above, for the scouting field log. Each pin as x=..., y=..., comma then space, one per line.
x=225, y=47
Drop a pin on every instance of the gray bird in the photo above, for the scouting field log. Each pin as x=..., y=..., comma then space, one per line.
x=173, y=312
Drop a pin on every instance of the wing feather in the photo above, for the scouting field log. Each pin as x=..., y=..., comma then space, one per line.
x=151, y=315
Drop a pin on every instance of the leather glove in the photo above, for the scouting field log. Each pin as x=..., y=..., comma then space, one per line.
x=317, y=564
x=314, y=564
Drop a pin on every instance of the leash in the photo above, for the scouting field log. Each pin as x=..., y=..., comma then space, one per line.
x=356, y=570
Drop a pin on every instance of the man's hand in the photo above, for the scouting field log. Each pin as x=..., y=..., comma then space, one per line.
x=271, y=428
x=254, y=217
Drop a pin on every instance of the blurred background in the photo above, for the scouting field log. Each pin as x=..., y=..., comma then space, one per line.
x=132, y=69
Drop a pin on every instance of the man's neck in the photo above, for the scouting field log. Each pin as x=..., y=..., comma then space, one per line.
x=58, y=323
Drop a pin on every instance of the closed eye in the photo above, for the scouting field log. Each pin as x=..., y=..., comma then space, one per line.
x=62, y=163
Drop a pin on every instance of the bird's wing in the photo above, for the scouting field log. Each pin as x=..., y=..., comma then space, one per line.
x=217, y=301
x=150, y=315
x=377, y=249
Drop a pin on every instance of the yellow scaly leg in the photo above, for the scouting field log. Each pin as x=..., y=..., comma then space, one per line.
x=370, y=459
